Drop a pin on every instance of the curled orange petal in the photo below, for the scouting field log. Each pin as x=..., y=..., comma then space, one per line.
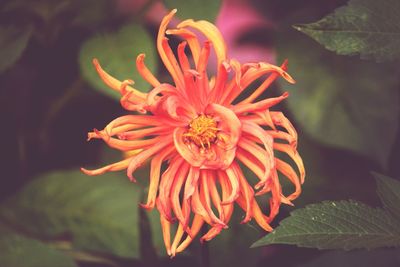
x=211, y=32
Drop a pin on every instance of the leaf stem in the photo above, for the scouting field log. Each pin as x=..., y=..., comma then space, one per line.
x=60, y=103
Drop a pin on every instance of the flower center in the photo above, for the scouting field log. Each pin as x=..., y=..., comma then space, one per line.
x=202, y=131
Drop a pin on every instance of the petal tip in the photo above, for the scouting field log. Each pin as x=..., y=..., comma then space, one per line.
x=147, y=206
x=131, y=178
x=86, y=171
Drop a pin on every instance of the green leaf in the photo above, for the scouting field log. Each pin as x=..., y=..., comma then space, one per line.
x=97, y=214
x=389, y=193
x=366, y=27
x=89, y=13
x=151, y=218
x=19, y=251
x=45, y=10
x=156, y=236
x=13, y=41
x=195, y=9
x=336, y=225
x=117, y=55
x=340, y=101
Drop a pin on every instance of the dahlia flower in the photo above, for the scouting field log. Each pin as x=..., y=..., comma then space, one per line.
x=203, y=139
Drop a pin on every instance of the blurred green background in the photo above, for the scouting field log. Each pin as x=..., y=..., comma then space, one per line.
x=346, y=111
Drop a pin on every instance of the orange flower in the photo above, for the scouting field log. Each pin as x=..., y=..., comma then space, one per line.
x=204, y=138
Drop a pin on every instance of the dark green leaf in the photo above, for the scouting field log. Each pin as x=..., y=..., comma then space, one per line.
x=13, y=41
x=117, y=54
x=93, y=213
x=89, y=13
x=19, y=251
x=389, y=193
x=366, y=27
x=152, y=217
x=41, y=9
x=340, y=101
x=336, y=225
x=156, y=236
x=195, y=9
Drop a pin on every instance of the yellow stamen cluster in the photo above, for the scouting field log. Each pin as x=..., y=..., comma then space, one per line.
x=202, y=131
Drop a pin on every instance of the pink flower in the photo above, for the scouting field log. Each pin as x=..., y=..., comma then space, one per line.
x=235, y=19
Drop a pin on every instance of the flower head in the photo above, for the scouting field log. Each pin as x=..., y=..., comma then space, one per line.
x=204, y=139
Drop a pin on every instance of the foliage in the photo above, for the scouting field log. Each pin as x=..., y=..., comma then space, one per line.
x=195, y=9
x=95, y=214
x=345, y=110
x=366, y=27
x=64, y=13
x=13, y=42
x=338, y=110
x=117, y=54
x=20, y=251
x=341, y=224
x=389, y=193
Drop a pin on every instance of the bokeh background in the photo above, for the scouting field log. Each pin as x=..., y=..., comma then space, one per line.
x=346, y=111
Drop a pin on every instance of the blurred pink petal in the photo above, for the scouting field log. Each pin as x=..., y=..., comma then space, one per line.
x=237, y=18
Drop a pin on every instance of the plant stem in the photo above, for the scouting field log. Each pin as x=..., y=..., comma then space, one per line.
x=205, y=250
